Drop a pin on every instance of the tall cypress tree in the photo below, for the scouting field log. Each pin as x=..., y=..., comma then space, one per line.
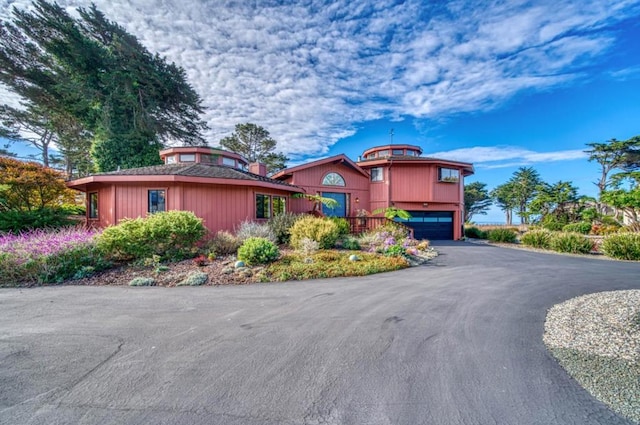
x=128, y=102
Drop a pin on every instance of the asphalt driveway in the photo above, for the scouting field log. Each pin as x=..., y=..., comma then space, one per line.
x=458, y=341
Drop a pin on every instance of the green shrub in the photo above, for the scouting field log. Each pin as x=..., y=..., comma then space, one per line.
x=395, y=251
x=194, y=279
x=20, y=221
x=253, y=229
x=581, y=227
x=142, y=281
x=474, y=232
x=397, y=231
x=350, y=243
x=280, y=225
x=258, y=251
x=537, y=238
x=574, y=243
x=343, y=225
x=502, y=235
x=320, y=229
x=78, y=262
x=553, y=222
x=604, y=229
x=171, y=235
x=623, y=246
x=223, y=243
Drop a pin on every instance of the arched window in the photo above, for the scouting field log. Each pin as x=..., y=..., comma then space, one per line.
x=333, y=179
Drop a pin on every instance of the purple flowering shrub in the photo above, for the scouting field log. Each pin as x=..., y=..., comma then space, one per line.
x=48, y=256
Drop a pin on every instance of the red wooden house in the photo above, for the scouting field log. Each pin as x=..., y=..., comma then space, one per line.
x=223, y=189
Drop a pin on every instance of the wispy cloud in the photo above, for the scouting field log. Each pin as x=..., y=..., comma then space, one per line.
x=507, y=156
x=309, y=72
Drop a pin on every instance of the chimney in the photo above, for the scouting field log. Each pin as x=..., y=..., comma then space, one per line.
x=258, y=168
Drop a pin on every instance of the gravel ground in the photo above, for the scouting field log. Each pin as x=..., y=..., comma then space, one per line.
x=596, y=338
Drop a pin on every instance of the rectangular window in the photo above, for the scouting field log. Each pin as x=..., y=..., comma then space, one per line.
x=398, y=152
x=156, y=201
x=382, y=154
x=279, y=205
x=263, y=206
x=170, y=160
x=371, y=156
x=93, y=205
x=448, y=175
x=410, y=153
x=206, y=159
x=187, y=157
x=376, y=174
x=228, y=161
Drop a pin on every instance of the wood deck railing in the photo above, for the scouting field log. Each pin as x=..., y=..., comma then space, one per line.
x=359, y=225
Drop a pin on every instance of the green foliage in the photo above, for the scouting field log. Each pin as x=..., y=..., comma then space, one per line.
x=258, y=251
x=476, y=200
x=194, y=279
x=537, y=238
x=320, y=229
x=223, y=243
x=85, y=77
x=475, y=233
x=604, y=229
x=502, y=235
x=142, y=281
x=343, y=225
x=622, y=246
x=392, y=212
x=395, y=251
x=573, y=243
x=281, y=224
x=254, y=143
x=517, y=193
x=554, y=222
x=581, y=227
x=253, y=229
x=328, y=264
x=19, y=221
x=350, y=243
x=171, y=235
x=308, y=246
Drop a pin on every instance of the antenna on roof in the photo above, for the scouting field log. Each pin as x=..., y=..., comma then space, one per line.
x=391, y=136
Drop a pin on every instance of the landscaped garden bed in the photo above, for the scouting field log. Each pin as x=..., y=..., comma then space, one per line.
x=172, y=249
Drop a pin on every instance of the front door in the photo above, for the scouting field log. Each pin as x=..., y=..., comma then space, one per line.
x=340, y=210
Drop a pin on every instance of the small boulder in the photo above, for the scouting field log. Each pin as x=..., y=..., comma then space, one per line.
x=354, y=257
x=239, y=264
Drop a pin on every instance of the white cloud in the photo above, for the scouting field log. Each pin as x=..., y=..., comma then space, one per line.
x=310, y=72
x=507, y=156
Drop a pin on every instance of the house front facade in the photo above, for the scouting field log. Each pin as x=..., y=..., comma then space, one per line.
x=224, y=189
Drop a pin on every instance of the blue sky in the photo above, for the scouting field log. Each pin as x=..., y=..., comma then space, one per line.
x=501, y=84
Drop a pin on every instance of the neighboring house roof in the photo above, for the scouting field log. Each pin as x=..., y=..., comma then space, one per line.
x=194, y=173
x=337, y=159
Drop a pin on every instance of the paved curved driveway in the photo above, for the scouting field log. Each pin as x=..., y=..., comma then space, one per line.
x=454, y=342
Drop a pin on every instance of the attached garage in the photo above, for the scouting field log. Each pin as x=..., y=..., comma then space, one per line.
x=432, y=225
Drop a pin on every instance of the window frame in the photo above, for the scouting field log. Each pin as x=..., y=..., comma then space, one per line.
x=230, y=162
x=183, y=155
x=164, y=201
x=171, y=159
x=449, y=178
x=93, y=210
x=381, y=177
x=333, y=174
x=282, y=205
x=267, y=215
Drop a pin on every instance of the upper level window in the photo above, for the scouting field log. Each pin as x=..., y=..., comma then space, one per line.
x=228, y=161
x=170, y=160
x=376, y=174
x=187, y=157
x=371, y=156
x=410, y=153
x=156, y=201
x=382, y=154
x=93, y=205
x=449, y=175
x=206, y=159
x=398, y=152
x=333, y=179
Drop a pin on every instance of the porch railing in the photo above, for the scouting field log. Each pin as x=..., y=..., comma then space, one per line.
x=359, y=225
